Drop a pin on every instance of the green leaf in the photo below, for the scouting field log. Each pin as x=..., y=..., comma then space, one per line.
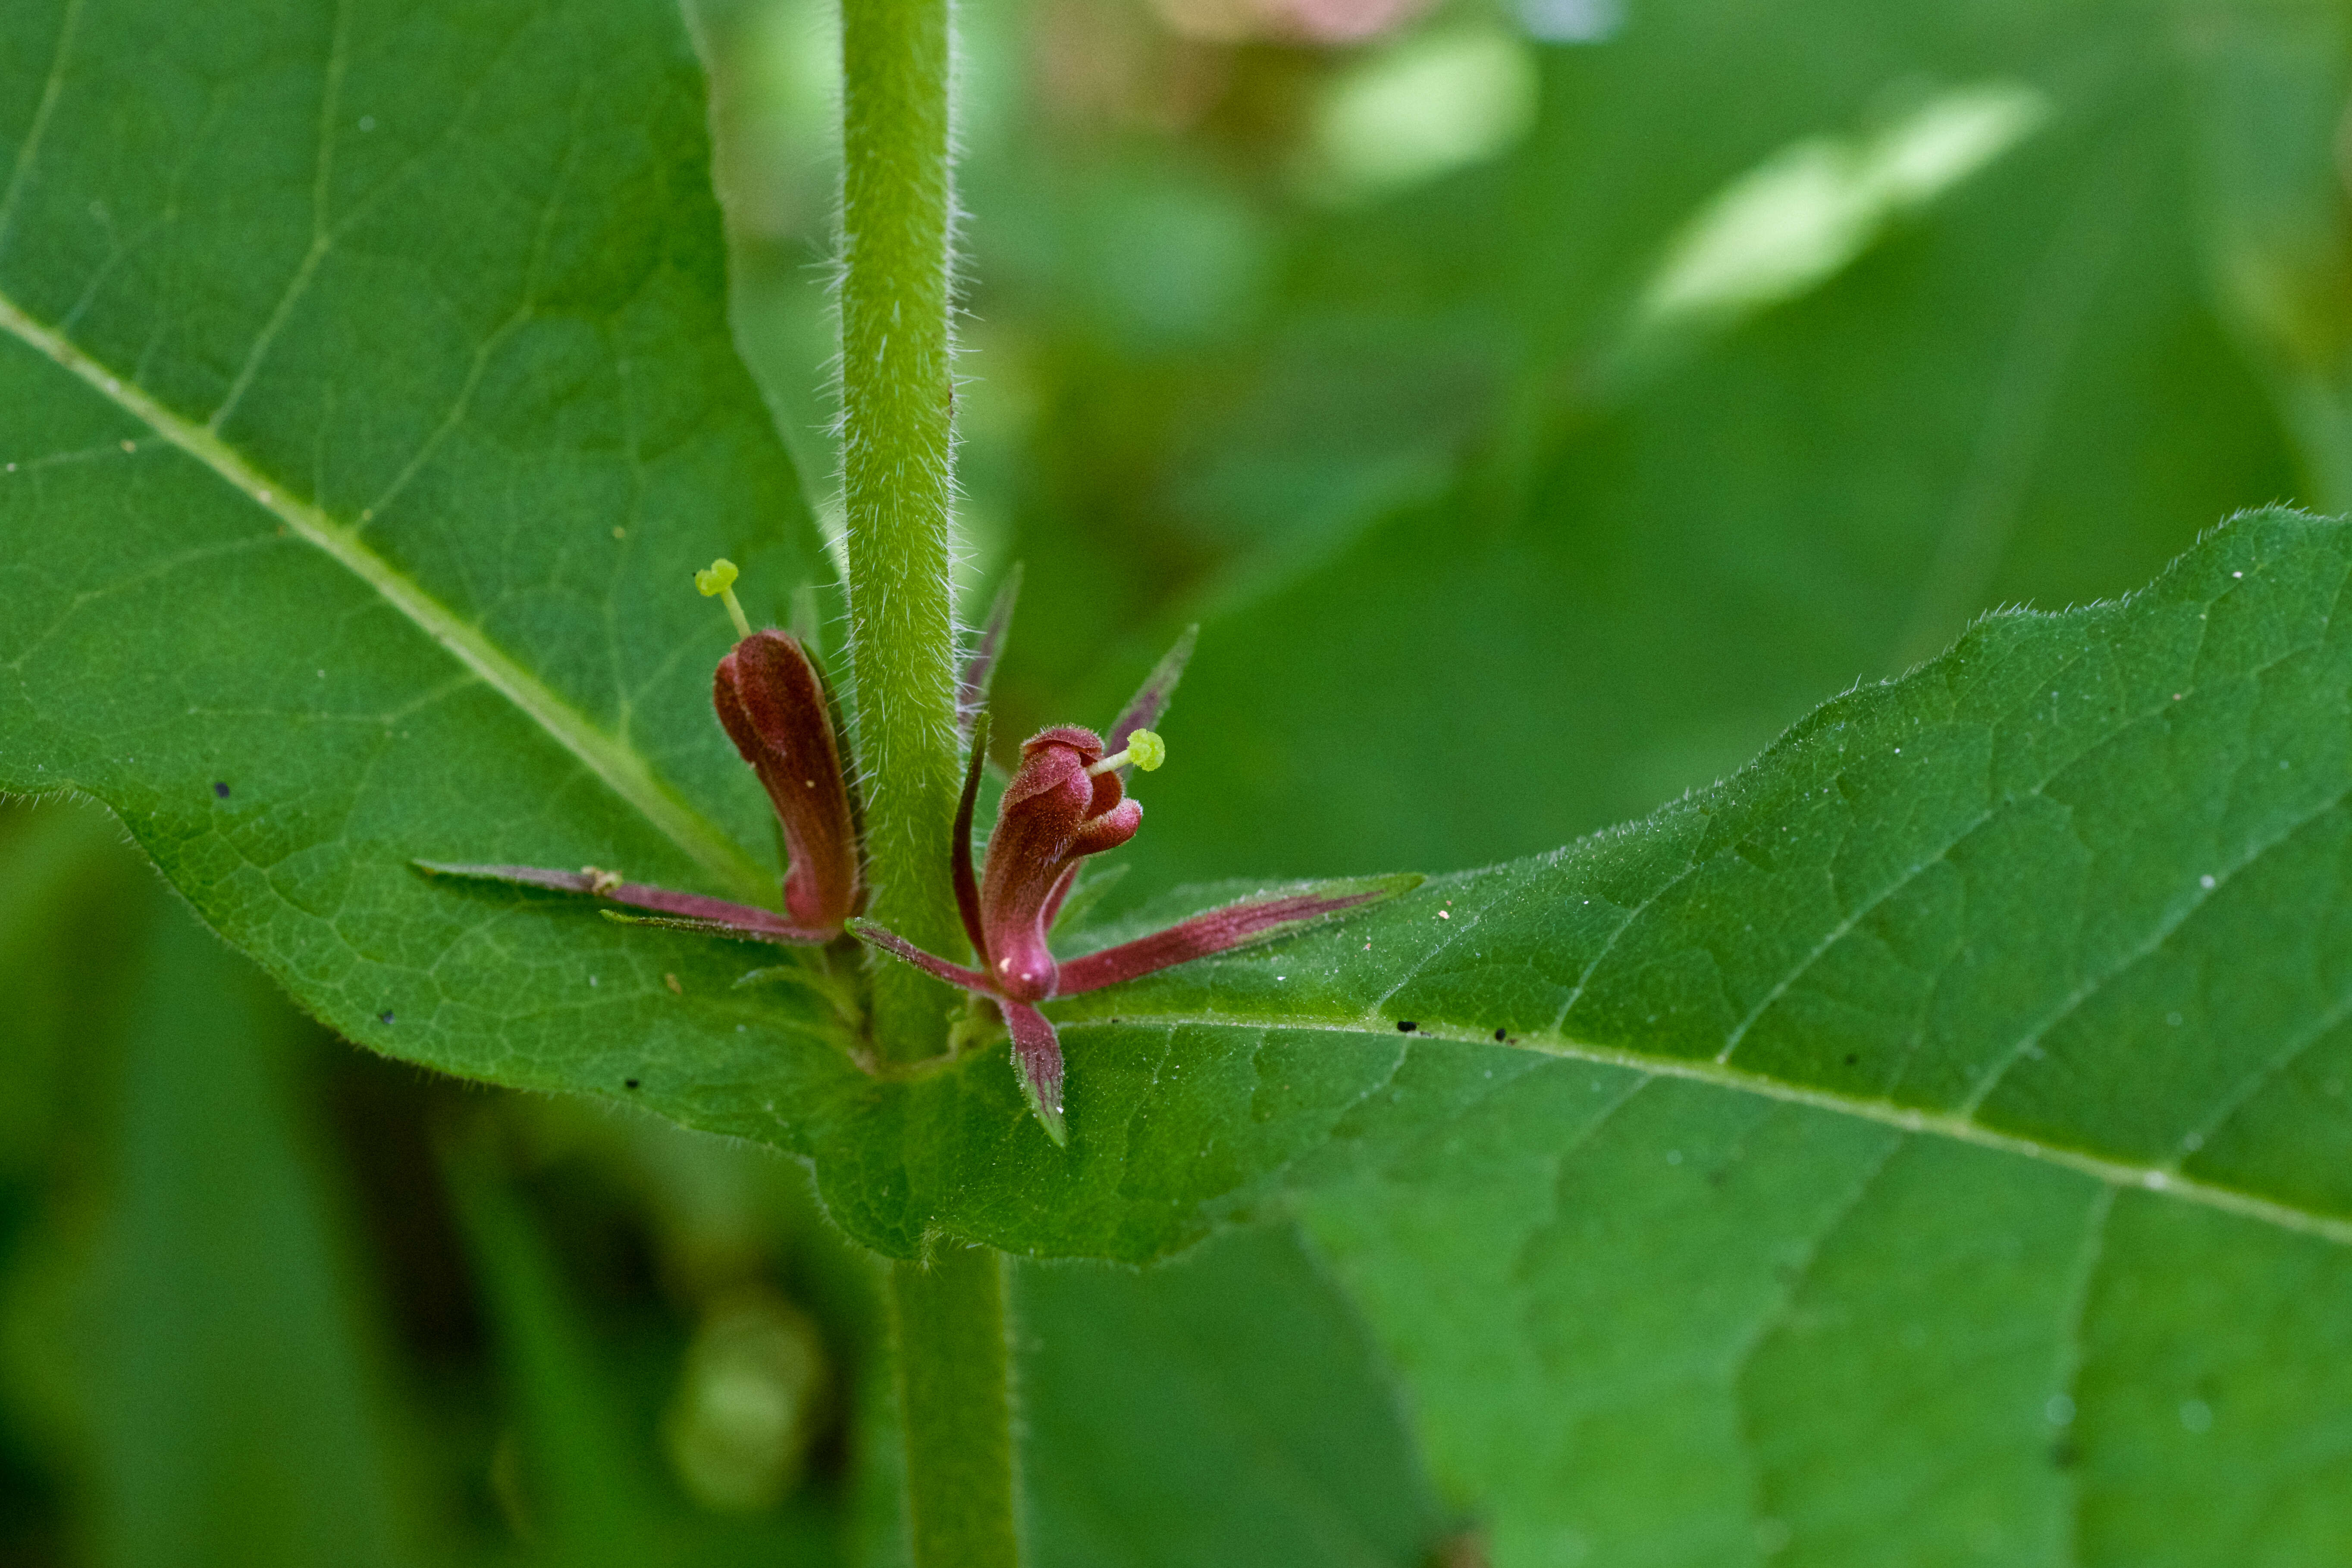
x=1641, y=1320
x=2066, y=892
x=371, y=399
x=499, y=686
x=1938, y=1134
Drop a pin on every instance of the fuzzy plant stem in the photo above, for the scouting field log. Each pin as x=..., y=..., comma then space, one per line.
x=897, y=414
x=954, y=1368
x=947, y=1325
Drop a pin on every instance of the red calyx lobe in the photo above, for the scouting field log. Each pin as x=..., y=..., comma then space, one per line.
x=1054, y=814
x=772, y=703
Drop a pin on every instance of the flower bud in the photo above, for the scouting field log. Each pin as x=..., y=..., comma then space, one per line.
x=773, y=702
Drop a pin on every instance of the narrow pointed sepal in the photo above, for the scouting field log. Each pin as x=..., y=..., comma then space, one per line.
x=691, y=911
x=1150, y=700
x=1236, y=925
x=980, y=668
x=1037, y=1063
x=960, y=869
x=899, y=947
x=791, y=936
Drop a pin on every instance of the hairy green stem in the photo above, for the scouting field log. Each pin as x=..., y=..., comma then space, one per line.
x=948, y=1317
x=954, y=1371
x=898, y=413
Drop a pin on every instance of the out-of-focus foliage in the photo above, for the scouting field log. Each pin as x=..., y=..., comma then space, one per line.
x=1783, y=340
x=264, y=1299
x=1541, y=406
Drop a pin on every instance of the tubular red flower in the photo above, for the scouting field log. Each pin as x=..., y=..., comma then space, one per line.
x=1064, y=803
x=773, y=702
x=1054, y=815
x=774, y=705
x=1067, y=801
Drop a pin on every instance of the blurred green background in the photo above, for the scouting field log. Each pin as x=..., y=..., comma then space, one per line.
x=1539, y=408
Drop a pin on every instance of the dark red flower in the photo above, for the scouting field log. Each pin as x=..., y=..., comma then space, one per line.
x=1067, y=801
x=1060, y=807
x=1064, y=803
x=774, y=704
x=772, y=701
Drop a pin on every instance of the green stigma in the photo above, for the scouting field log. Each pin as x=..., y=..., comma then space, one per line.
x=718, y=581
x=1145, y=750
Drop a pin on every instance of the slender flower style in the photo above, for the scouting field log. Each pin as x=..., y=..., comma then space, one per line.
x=772, y=700
x=1065, y=801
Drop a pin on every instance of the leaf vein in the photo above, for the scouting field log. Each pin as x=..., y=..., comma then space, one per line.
x=621, y=769
x=52, y=88
x=2161, y=932
x=1961, y=1128
x=1776, y=1313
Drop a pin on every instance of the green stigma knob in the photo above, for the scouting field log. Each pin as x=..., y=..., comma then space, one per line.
x=718, y=581
x=1145, y=750
x=716, y=578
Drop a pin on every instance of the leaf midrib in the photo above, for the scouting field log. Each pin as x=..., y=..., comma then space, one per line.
x=621, y=768
x=2162, y=1180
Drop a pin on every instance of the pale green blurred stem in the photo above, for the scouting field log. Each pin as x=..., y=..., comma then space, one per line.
x=948, y=1320
x=947, y=1323
x=897, y=388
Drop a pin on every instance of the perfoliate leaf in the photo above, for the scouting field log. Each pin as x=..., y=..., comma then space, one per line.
x=1955, y=1097
x=300, y=640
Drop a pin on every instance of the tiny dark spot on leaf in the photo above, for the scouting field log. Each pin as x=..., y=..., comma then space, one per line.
x=1851, y=1058
x=628, y=1083
x=1406, y=1025
x=1499, y=1033
x=386, y=1015
x=221, y=789
x=2063, y=1456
